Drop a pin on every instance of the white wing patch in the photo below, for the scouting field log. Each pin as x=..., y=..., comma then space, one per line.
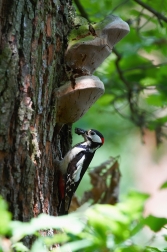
x=68, y=157
x=77, y=173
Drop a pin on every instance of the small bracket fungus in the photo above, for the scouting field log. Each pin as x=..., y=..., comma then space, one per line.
x=73, y=103
x=89, y=49
x=89, y=46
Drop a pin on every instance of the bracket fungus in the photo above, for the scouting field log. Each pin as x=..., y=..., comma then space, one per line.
x=93, y=47
x=73, y=103
x=89, y=46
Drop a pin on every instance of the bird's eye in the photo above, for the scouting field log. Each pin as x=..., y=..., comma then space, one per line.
x=92, y=133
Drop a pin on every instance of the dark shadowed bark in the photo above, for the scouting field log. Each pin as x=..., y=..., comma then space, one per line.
x=33, y=38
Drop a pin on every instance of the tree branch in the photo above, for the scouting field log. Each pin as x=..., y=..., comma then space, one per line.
x=143, y=67
x=81, y=10
x=119, y=57
x=126, y=1
x=136, y=115
x=156, y=13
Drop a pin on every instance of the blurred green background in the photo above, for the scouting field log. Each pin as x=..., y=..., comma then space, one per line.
x=132, y=112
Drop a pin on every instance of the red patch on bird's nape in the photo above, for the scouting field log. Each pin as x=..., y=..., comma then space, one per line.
x=102, y=139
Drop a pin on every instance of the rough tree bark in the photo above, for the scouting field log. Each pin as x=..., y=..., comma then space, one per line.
x=33, y=38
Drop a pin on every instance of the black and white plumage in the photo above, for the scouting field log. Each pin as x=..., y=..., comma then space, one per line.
x=74, y=166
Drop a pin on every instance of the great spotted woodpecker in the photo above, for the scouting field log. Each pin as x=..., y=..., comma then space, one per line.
x=74, y=166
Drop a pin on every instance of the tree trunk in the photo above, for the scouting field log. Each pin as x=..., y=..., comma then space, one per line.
x=33, y=39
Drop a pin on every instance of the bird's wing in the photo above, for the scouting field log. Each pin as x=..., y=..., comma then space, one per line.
x=68, y=183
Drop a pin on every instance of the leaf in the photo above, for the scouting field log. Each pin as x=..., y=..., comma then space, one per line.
x=134, y=204
x=164, y=185
x=108, y=219
x=44, y=221
x=122, y=220
x=57, y=238
x=152, y=249
x=152, y=125
x=155, y=223
x=148, y=81
x=156, y=100
x=38, y=246
x=19, y=246
x=132, y=248
x=76, y=245
x=5, y=217
x=165, y=237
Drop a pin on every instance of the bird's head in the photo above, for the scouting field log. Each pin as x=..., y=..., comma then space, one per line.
x=92, y=136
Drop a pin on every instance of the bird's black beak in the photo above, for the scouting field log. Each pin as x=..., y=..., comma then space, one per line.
x=79, y=131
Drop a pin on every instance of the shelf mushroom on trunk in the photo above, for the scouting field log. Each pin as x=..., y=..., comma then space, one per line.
x=73, y=103
x=89, y=46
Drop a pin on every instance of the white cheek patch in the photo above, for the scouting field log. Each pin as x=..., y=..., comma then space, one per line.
x=77, y=173
x=96, y=139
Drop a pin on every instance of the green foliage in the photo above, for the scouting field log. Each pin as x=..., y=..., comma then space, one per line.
x=164, y=185
x=98, y=228
x=97, y=10
x=155, y=223
x=5, y=218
